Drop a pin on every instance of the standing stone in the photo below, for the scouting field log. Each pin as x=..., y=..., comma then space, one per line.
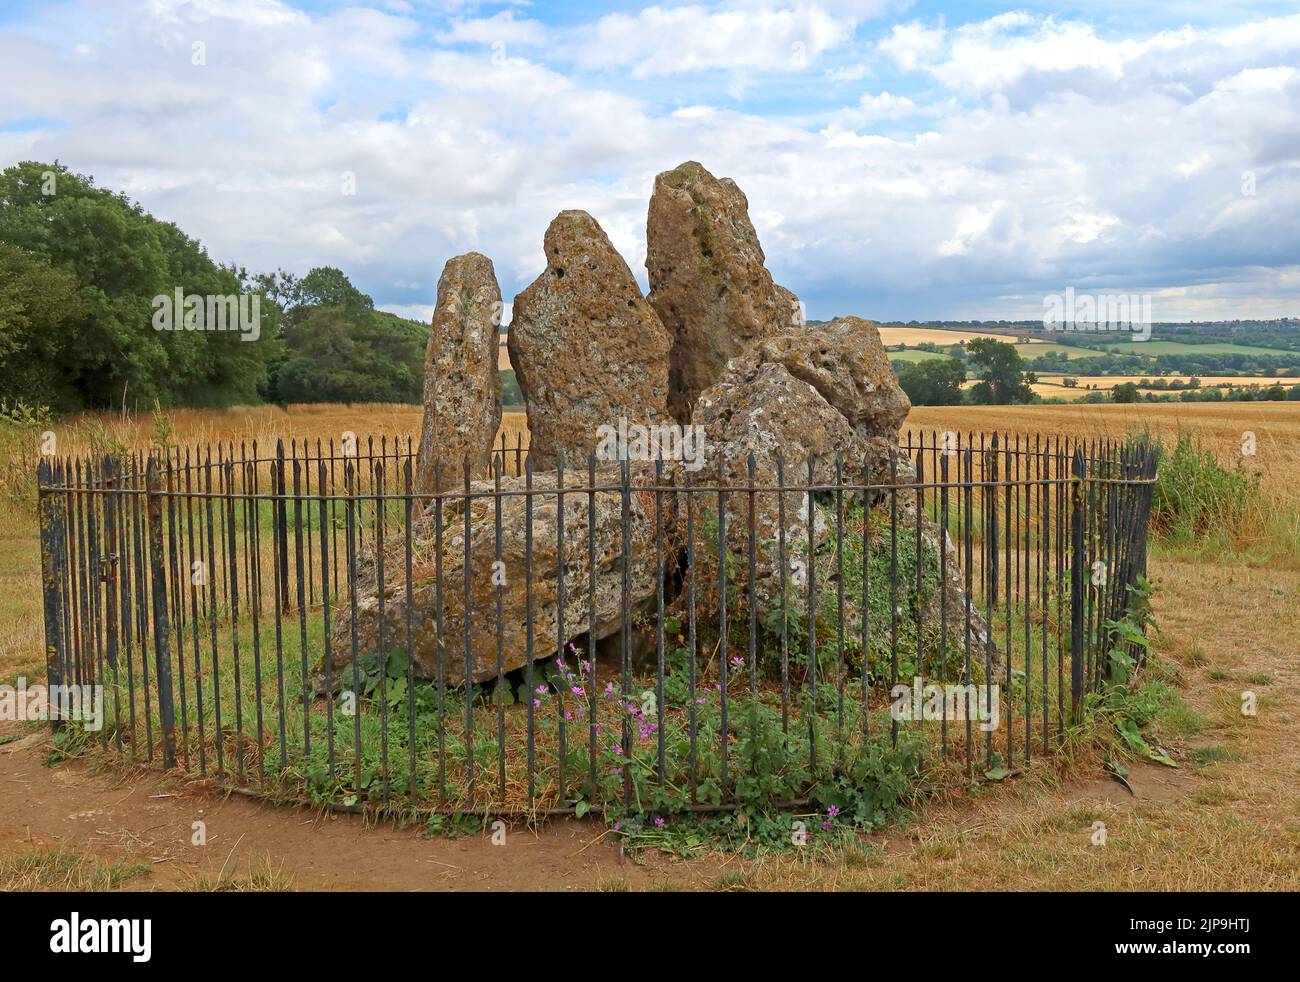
x=707, y=279
x=586, y=347
x=462, y=388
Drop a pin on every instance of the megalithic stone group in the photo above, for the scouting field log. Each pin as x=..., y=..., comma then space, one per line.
x=716, y=345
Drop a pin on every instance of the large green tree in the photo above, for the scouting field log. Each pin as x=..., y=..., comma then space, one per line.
x=102, y=348
x=1001, y=371
x=934, y=382
x=1125, y=392
x=38, y=305
x=338, y=348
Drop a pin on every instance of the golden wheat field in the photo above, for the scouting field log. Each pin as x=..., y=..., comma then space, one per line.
x=1051, y=387
x=934, y=335
x=1220, y=427
x=1110, y=381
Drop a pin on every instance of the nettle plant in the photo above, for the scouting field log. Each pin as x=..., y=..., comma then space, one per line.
x=901, y=584
x=1124, y=699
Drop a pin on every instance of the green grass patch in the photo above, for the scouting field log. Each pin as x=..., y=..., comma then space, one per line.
x=1206, y=756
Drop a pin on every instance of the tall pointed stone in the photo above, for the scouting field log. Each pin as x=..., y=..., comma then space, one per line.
x=462, y=389
x=707, y=279
x=586, y=347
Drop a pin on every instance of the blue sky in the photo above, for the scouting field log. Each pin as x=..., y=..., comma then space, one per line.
x=901, y=160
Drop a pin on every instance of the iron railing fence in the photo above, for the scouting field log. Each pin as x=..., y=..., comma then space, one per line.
x=306, y=624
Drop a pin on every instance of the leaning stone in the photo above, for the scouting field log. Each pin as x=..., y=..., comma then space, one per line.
x=759, y=409
x=510, y=580
x=839, y=410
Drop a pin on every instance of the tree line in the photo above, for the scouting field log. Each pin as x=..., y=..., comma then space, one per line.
x=1001, y=379
x=81, y=272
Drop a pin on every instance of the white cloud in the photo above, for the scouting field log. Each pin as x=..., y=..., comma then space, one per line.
x=997, y=54
x=1014, y=156
x=1082, y=225
x=874, y=107
x=659, y=41
x=913, y=43
x=501, y=28
x=849, y=73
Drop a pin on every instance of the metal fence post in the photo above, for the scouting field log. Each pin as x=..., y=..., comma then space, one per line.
x=1077, y=588
x=161, y=627
x=110, y=472
x=52, y=535
x=281, y=520
x=991, y=509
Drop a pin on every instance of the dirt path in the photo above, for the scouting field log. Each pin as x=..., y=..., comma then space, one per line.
x=148, y=819
x=1227, y=818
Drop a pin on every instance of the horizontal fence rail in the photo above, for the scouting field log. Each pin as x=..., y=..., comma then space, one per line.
x=306, y=624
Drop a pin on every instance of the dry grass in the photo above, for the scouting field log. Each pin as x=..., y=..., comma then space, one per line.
x=21, y=626
x=57, y=870
x=108, y=432
x=90, y=432
x=1228, y=818
x=1219, y=425
x=1269, y=532
x=262, y=876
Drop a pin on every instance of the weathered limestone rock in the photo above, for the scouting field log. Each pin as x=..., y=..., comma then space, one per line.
x=792, y=308
x=846, y=363
x=707, y=278
x=815, y=394
x=759, y=408
x=805, y=392
x=586, y=347
x=510, y=579
x=462, y=389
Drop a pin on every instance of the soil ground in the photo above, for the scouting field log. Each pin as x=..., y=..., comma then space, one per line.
x=1227, y=818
